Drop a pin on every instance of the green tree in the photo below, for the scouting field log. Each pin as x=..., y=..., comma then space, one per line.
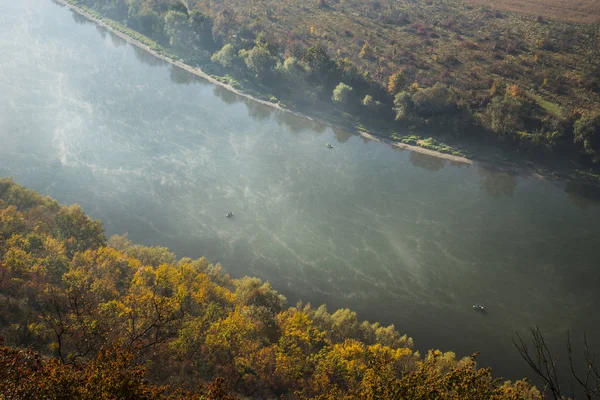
x=147, y=21
x=178, y=30
x=226, y=57
x=433, y=101
x=201, y=26
x=293, y=70
x=259, y=60
x=342, y=94
x=319, y=61
x=403, y=106
x=507, y=115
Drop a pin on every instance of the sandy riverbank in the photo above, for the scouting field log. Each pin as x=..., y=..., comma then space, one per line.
x=200, y=73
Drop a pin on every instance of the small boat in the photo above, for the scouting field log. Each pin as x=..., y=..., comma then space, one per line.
x=478, y=307
x=329, y=146
x=229, y=215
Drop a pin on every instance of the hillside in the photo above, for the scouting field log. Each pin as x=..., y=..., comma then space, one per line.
x=578, y=11
x=113, y=320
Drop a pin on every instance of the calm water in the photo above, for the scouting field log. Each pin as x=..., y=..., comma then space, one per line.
x=398, y=236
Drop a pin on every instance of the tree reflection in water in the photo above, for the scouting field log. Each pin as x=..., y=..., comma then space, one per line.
x=257, y=111
x=146, y=58
x=183, y=77
x=79, y=19
x=341, y=135
x=497, y=183
x=227, y=96
x=583, y=195
x=427, y=161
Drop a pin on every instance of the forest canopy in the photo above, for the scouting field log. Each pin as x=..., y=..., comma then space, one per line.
x=98, y=318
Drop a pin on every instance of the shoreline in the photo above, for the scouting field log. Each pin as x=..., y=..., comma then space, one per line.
x=200, y=73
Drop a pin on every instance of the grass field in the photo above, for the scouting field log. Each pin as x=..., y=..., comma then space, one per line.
x=582, y=11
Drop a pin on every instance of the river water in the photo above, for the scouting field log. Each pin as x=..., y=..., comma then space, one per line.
x=398, y=236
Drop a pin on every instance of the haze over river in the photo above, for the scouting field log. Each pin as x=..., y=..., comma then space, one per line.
x=398, y=236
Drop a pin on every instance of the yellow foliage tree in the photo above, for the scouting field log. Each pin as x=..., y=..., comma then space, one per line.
x=366, y=51
x=396, y=83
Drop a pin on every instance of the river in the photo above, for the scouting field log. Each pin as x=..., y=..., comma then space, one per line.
x=398, y=236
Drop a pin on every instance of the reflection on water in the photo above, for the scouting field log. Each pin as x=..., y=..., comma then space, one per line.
x=583, y=195
x=426, y=161
x=116, y=41
x=227, y=96
x=294, y=123
x=256, y=110
x=146, y=58
x=79, y=19
x=341, y=135
x=182, y=77
x=497, y=183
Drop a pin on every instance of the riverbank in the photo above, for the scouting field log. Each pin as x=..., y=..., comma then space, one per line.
x=111, y=26
x=467, y=153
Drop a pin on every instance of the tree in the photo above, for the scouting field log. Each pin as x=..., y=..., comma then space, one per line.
x=507, y=114
x=178, y=30
x=403, y=106
x=224, y=25
x=259, y=61
x=201, y=26
x=396, y=83
x=368, y=101
x=587, y=131
x=342, y=94
x=433, y=101
x=226, y=56
x=319, y=61
x=293, y=69
x=541, y=360
x=147, y=21
x=366, y=51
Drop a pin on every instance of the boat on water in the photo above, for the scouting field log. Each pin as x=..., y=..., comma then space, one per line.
x=229, y=215
x=329, y=146
x=478, y=307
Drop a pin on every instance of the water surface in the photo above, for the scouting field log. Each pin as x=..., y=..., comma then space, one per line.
x=398, y=236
